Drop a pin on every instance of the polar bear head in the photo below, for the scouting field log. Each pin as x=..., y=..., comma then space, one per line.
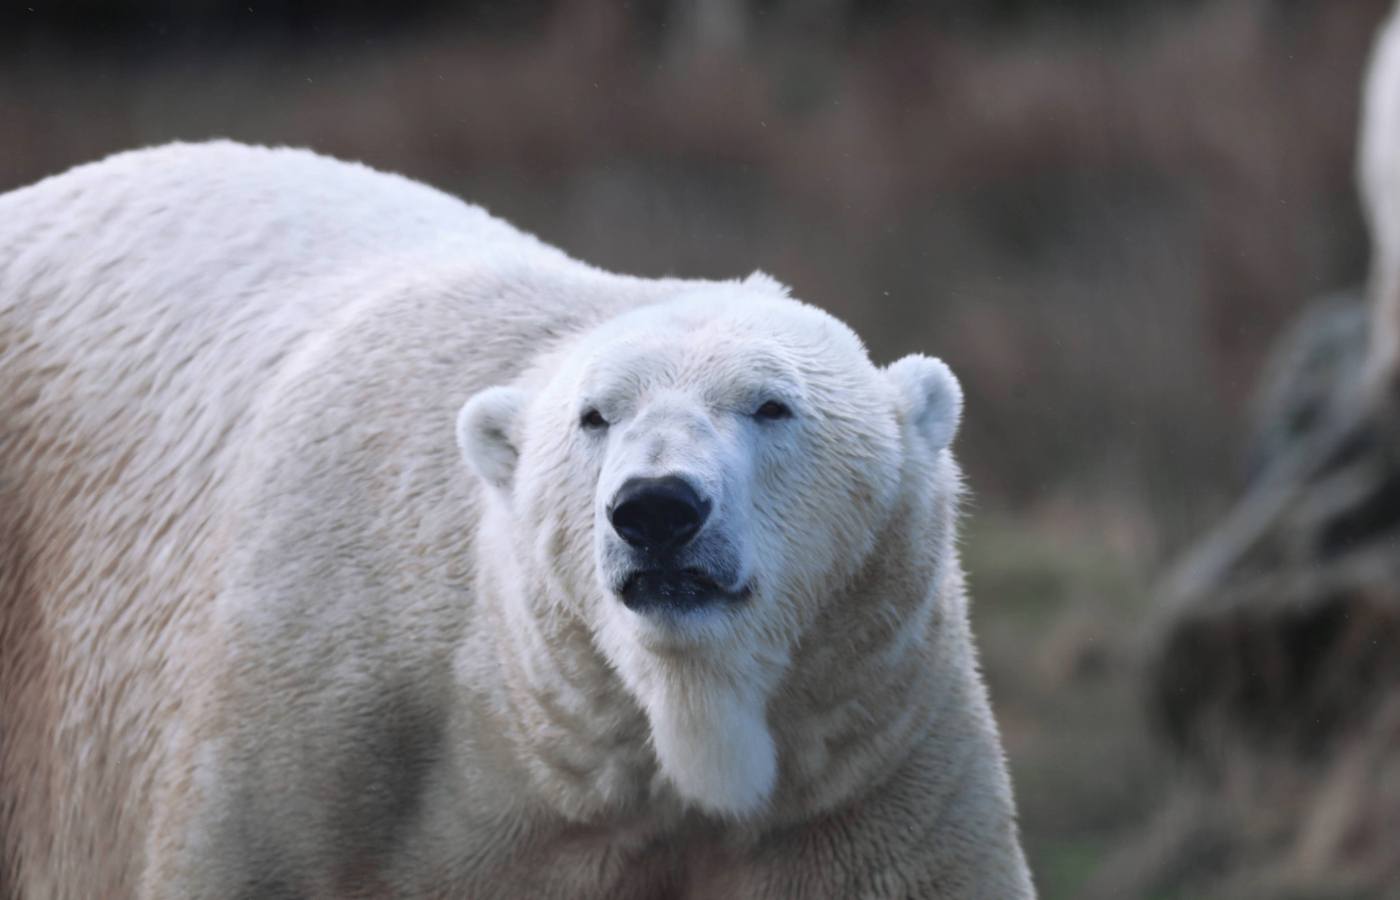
x=697, y=479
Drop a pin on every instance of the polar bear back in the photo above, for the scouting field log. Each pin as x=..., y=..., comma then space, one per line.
x=152, y=307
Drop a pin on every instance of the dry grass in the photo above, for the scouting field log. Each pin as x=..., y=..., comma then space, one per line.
x=1055, y=617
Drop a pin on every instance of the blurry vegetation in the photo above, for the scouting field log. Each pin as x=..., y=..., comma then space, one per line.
x=1100, y=220
x=1054, y=613
x=1102, y=213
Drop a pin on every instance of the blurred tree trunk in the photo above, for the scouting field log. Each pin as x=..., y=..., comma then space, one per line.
x=1273, y=668
x=1277, y=648
x=1281, y=629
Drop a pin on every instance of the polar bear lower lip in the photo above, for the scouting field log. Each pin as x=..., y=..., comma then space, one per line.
x=676, y=590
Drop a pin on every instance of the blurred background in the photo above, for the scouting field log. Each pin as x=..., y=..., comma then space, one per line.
x=1130, y=227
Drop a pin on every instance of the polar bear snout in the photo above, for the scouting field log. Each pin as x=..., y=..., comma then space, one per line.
x=659, y=519
x=658, y=514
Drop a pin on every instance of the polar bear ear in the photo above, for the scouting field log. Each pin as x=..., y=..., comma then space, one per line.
x=487, y=436
x=930, y=397
x=762, y=281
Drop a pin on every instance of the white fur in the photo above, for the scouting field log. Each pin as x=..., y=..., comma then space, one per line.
x=931, y=398
x=1378, y=169
x=267, y=630
x=484, y=434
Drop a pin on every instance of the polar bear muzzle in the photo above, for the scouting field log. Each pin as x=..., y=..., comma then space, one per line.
x=658, y=518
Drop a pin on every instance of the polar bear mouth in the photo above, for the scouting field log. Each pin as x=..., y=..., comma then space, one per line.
x=676, y=590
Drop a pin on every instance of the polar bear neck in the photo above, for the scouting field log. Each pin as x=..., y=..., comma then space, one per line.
x=599, y=743
x=707, y=711
x=578, y=736
x=906, y=665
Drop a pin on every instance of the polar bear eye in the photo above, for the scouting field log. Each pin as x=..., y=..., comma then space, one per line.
x=772, y=410
x=592, y=419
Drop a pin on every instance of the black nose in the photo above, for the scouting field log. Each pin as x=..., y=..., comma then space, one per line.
x=658, y=513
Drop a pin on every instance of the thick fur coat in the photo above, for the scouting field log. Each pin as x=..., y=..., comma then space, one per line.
x=311, y=582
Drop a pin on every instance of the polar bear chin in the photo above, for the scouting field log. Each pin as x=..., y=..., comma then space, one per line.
x=707, y=710
x=715, y=748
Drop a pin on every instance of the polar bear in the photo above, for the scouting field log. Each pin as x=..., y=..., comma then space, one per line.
x=355, y=544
